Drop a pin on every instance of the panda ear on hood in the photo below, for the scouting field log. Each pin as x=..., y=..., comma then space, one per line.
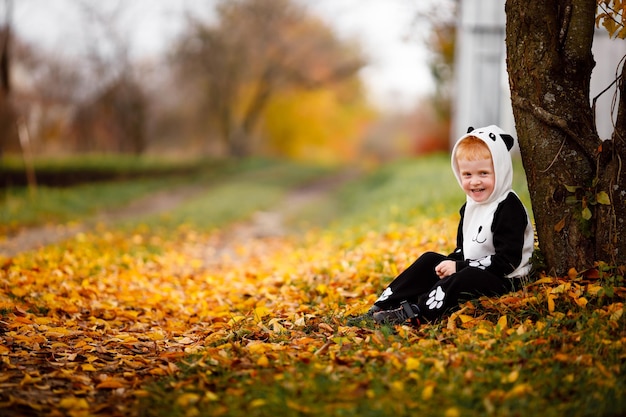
x=469, y=129
x=508, y=140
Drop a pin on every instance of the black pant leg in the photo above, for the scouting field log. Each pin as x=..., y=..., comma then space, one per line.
x=469, y=283
x=412, y=282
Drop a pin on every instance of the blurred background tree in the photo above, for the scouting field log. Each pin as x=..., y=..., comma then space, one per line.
x=8, y=132
x=250, y=77
x=256, y=52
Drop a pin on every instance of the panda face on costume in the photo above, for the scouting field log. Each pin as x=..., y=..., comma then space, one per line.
x=499, y=143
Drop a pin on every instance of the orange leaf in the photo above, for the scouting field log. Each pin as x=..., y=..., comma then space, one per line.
x=591, y=274
x=111, y=383
x=560, y=225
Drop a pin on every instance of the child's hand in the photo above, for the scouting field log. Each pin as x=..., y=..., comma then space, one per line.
x=445, y=268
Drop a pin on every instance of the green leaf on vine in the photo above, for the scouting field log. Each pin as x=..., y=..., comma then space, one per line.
x=586, y=213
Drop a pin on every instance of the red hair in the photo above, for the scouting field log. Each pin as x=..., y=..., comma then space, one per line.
x=472, y=149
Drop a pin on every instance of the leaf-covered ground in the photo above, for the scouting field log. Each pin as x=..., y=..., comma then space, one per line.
x=191, y=324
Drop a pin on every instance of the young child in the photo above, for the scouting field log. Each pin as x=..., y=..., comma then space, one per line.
x=495, y=239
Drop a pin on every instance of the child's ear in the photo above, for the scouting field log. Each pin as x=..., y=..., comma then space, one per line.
x=508, y=140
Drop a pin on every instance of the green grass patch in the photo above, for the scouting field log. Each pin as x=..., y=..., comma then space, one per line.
x=73, y=170
x=402, y=192
x=240, y=195
x=234, y=189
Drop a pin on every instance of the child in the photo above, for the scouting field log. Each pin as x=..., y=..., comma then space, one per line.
x=495, y=239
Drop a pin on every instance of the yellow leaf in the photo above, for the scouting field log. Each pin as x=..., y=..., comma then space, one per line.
x=187, y=399
x=412, y=364
x=73, y=403
x=397, y=386
x=519, y=390
x=616, y=311
x=263, y=361
x=452, y=412
x=294, y=405
x=545, y=280
x=258, y=402
x=88, y=367
x=561, y=289
x=155, y=336
x=603, y=198
x=427, y=392
x=236, y=319
x=502, y=322
x=258, y=347
x=594, y=289
x=551, y=303
x=582, y=301
x=512, y=377
x=261, y=312
x=20, y=291
x=465, y=318
x=141, y=393
x=322, y=289
x=211, y=396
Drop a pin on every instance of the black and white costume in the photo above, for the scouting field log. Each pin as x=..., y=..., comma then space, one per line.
x=495, y=241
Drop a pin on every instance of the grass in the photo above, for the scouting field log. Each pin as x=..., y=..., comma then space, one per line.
x=258, y=187
x=233, y=190
x=401, y=193
x=74, y=170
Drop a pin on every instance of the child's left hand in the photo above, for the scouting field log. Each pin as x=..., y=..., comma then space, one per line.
x=445, y=268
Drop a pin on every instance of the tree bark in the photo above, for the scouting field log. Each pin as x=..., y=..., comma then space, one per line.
x=8, y=136
x=549, y=61
x=610, y=245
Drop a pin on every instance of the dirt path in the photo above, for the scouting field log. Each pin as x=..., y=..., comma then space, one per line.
x=262, y=224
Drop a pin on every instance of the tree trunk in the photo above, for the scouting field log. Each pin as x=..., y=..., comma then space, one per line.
x=610, y=244
x=8, y=137
x=549, y=61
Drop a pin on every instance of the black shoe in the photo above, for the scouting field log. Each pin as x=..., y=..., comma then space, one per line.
x=364, y=319
x=398, y=315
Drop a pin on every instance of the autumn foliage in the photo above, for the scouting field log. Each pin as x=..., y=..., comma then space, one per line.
x=146, y=322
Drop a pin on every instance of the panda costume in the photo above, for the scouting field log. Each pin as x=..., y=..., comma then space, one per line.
x=495, y=241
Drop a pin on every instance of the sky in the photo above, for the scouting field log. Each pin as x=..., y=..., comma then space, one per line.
x=396, y=78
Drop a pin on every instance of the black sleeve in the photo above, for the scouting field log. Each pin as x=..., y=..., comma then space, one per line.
x=457, y=254
x=508, y=228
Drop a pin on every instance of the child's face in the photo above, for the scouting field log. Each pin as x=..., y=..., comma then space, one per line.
x=478, y=178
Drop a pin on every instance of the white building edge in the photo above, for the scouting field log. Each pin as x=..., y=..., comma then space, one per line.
x=481, y=83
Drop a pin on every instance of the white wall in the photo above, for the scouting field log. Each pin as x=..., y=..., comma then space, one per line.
x=481, y=83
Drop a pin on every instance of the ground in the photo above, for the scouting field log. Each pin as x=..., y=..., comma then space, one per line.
x=266, y=223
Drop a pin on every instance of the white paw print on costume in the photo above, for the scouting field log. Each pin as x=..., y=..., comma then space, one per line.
x=482, y=263
x=386, y=294
x=435, y=299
